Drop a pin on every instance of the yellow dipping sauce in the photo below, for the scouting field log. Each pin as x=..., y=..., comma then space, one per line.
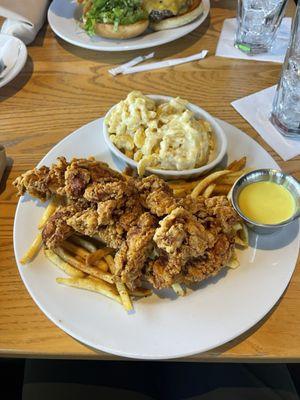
x=266, y=202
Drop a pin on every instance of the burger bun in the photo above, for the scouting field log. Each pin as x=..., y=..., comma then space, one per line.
x=123, y=32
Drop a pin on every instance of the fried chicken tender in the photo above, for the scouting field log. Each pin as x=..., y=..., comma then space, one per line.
x=84, y=222
x=56, y=229
x=156, y=196
x=35, y=182
x=42, y=182
x=131, y=258
x=111, y=235
x=158, y=237
x=116, y=190
x=118, y=202
x=181, y=237
x=211, y=263
x=159, y=275
x=99, y=171
x=224, y=216
x=63, y=178
x=82, y=172
x=182, y=261
x=114, y=208
x=181, y=232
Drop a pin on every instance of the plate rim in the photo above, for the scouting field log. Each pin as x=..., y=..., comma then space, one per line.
x=114, y=48
x=127, y=354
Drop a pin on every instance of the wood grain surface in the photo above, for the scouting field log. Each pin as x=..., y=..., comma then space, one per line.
x=63, y=87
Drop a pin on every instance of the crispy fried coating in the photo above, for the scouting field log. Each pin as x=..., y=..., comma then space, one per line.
x=103, y=191
x=56, y=229
x=184, y=256
x=180, y=232
x=84, y=222
x=212, y=262
x=156, y=196
x=179, y=238
x=135, y=250
x=157, y=237
x=63, y=178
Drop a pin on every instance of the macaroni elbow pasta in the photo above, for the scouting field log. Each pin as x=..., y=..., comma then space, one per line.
x=166, y=136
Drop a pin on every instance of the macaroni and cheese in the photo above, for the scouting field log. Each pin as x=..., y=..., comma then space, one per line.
x=165, y=136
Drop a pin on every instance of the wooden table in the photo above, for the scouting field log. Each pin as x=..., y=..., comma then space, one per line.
x=63, y=87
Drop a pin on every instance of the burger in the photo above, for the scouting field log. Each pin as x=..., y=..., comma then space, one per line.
x=124, y=19
x=167, y=14
x=114, y=19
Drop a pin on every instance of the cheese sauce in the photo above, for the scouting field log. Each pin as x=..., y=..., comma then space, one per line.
x=172, y=5
x=266, y=202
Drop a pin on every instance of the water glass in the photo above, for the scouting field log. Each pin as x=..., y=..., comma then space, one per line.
x=257, y=24
x=285, y=114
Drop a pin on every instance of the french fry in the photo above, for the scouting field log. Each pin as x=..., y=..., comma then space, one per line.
x=209, y=190
x=129, y=153
x=222, y=189
x=236, y=227
x=49, y=210
x=110, y=262
x=178, y=289
x=102, y=264
x=64, y=266
x=33, y=249
x=230, y=180
x=180, y=192
x=207, y=181
x=233, y=262
x=183, y=185
x=237, y=165
x=177, y=184
x=91, y=285
x=86, y=244
x=62, y=253
x=76, y=250
x=123, y=294
x=232, y=177
x=242, y=237
x=141, y=292
x=96, y=258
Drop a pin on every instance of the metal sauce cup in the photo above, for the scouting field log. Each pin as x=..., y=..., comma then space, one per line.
x=270, y=175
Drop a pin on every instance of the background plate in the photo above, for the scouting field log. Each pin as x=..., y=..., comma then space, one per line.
x=63, y=17
x=20, y=61
x=162, y=327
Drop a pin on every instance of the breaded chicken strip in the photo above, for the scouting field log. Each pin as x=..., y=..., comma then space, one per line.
x=134, y=252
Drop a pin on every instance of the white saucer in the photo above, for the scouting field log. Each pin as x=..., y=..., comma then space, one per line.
x=20, y=61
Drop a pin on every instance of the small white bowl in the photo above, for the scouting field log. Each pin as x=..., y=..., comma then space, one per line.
x=216, y=156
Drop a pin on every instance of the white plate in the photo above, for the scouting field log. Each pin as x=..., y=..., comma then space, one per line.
x=63, y=17
x=20, y=61
x=221, y=308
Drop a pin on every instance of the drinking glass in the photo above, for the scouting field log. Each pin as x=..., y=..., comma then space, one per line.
x=257, y=24
x=285, y=114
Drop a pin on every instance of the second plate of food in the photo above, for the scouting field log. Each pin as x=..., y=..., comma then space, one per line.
x=162, y=325
x=65, y=19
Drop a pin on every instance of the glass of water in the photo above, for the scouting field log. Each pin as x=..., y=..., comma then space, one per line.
x=257, y=24
x=285, y=115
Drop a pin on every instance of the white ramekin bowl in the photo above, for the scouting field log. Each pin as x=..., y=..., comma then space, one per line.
x=215, y=158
